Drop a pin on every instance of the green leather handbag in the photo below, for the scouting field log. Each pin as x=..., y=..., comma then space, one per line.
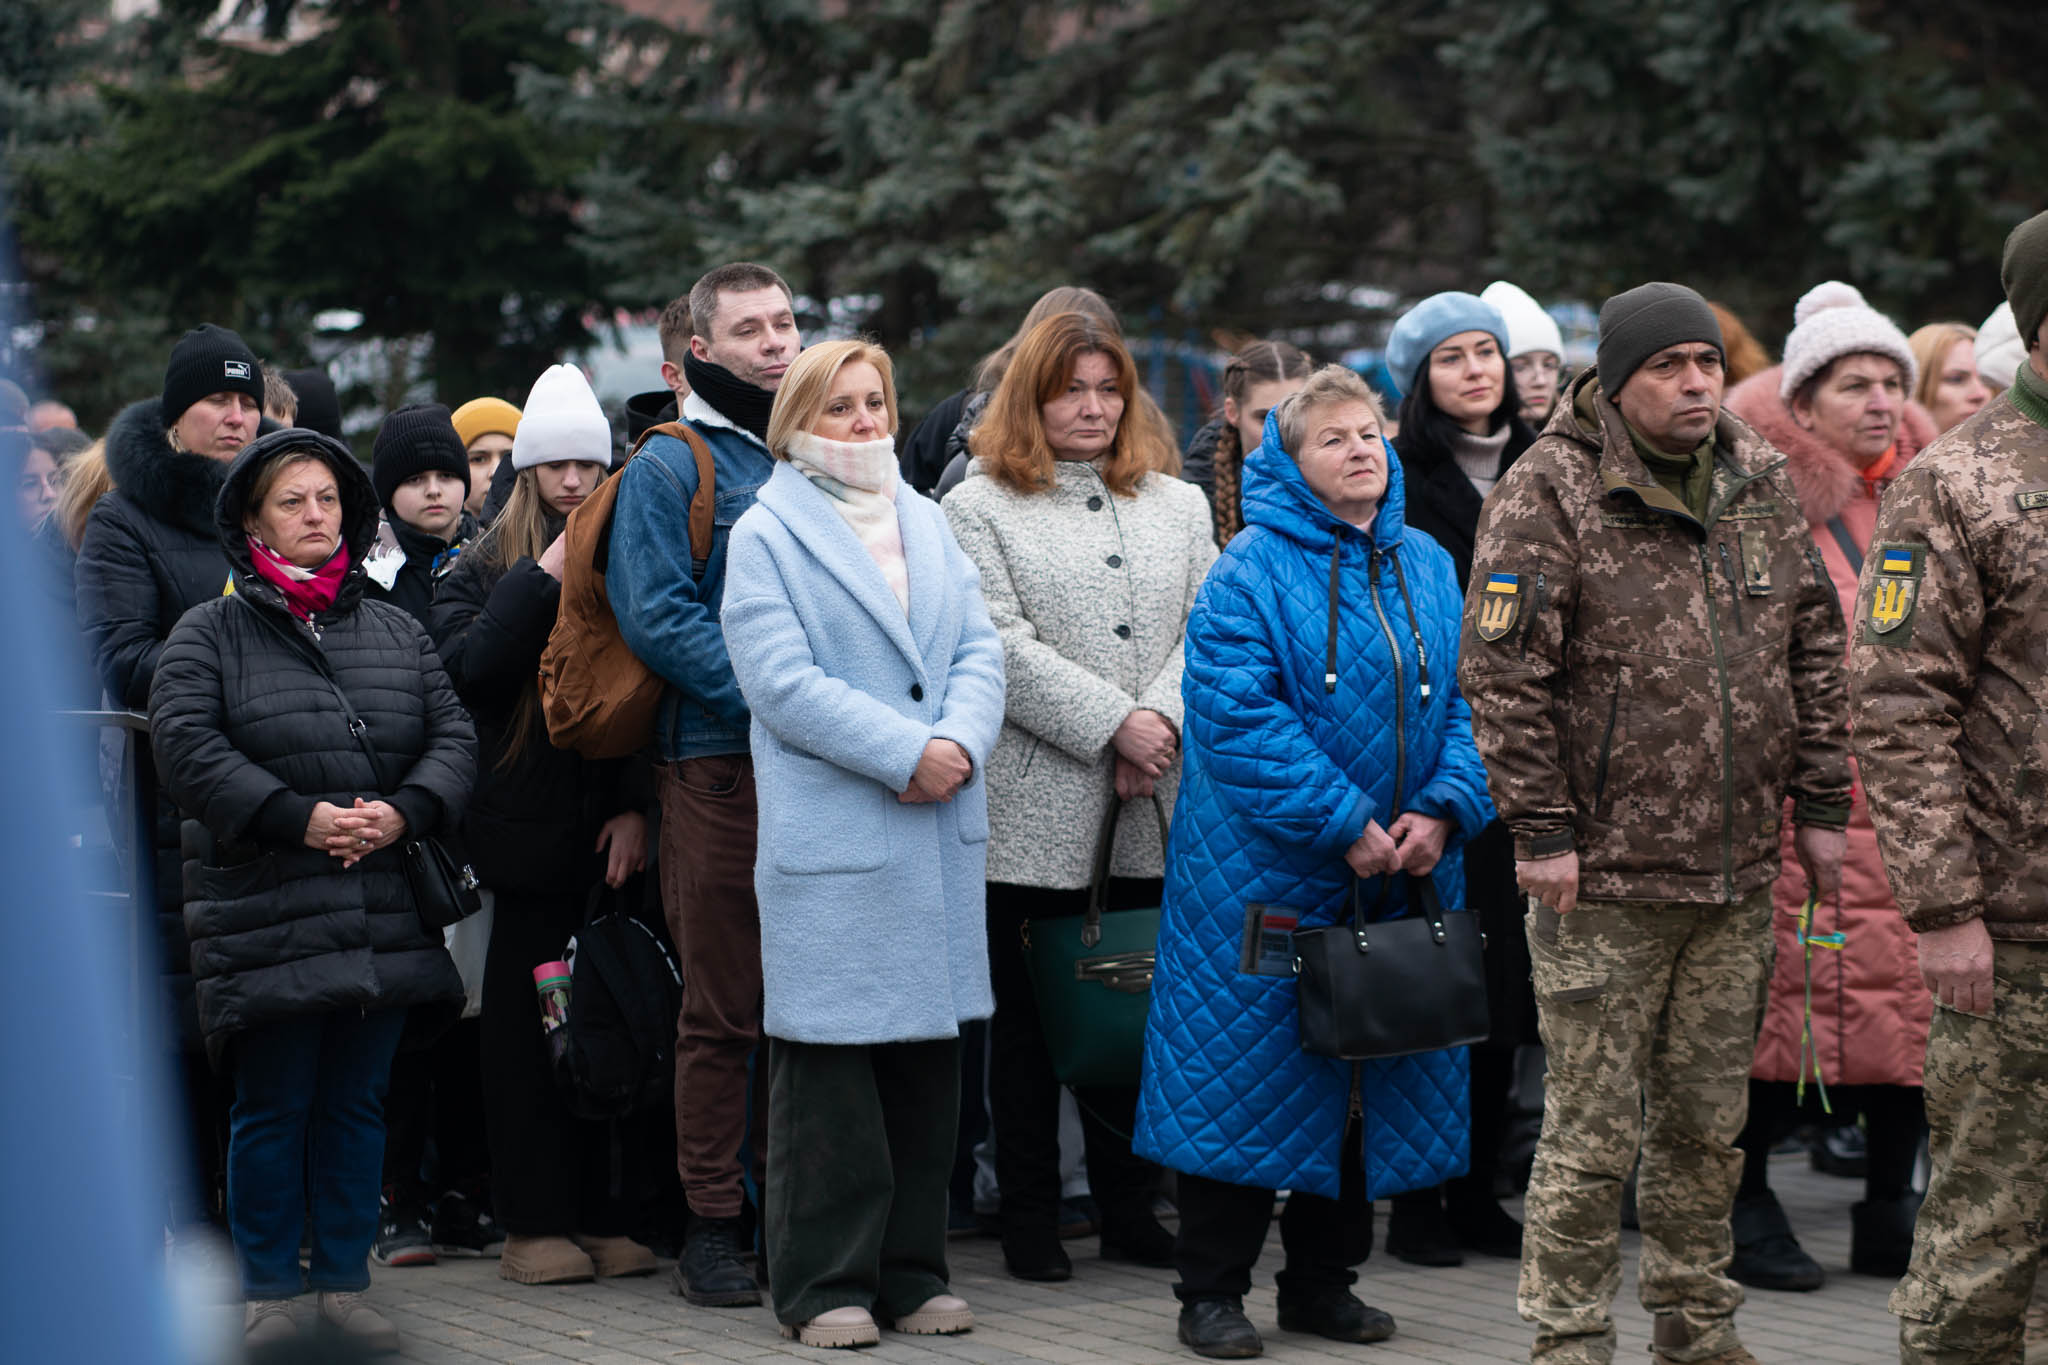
x=1092, y=976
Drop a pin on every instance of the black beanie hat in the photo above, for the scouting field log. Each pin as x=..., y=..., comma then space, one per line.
x=208, y=360
x=319, y=408
x=1638, y=323
x=413, y=440
x=2024, y=273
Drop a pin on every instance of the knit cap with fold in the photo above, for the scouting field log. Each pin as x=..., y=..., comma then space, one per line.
x=562, y=420
x=1831, y=321
x=482, y=417
x=2023, y=270
x=209, y=360
x=415, y=440
x=1638, y=323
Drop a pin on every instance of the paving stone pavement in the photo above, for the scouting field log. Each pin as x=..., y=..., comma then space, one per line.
x=461, y=1313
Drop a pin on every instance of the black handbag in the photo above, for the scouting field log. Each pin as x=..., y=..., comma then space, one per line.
x=443, y=890
x=1393, y=987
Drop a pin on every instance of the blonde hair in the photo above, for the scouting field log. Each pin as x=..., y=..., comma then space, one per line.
x=520, y=530
x=86, y=480
x=1330, y=384
x=1010, y=439
x=808, y=384
x=1929, y=346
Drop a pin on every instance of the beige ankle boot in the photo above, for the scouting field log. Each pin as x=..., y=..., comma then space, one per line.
x=544, y=1260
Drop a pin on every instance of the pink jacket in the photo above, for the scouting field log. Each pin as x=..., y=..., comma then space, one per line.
x=1870, y=1010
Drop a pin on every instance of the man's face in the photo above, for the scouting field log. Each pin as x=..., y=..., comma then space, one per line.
x=752, y=333
x=1674, y=397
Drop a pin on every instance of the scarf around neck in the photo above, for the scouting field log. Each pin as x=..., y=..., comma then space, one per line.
x=305, y=590
x=859, y=478
x=746, y=405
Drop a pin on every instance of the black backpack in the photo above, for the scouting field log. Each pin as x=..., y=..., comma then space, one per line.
x=616, y=1056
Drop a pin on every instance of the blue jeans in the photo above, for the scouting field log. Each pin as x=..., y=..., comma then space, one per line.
x=307, y=1129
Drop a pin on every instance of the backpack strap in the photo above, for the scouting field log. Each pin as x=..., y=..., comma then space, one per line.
x=703, y=503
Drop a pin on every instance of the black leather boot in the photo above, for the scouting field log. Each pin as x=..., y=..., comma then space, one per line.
x=1881, y=1236
x=1767, y=1255
x=1218, y=1328
x=711, y=1272
x=1336, y=1314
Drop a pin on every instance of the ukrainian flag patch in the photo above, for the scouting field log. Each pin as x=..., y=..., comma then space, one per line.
x=1894, y=593
x=1499, y=606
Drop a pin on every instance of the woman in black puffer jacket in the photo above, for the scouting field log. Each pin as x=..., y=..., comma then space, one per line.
x=306, y=947
x=544, y=829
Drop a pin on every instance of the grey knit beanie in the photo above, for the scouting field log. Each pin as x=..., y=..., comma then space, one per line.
x=1639, y=322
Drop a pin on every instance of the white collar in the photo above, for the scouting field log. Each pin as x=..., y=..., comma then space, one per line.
x=696, y=410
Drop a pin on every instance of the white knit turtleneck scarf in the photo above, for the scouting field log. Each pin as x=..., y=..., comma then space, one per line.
x=860, y=479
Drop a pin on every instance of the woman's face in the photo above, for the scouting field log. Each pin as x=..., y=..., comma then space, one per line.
x=1259, y=399
x=430, y=502
x=1080, y=424
x=1960, y=391
x=219, y=425
x=566, y=483
x=856, y=407
x=1536, y=374
x=36, y=491
x=484, y=453
x=1856, y=409
x=300, y=516
x=1343, y=458
x=1467, y=376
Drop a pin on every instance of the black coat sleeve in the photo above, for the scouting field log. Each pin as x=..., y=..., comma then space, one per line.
x=435, y=793
x=119, y=606
x=490, y=635
x=200, y=767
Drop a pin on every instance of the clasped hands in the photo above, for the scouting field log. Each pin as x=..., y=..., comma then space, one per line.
x=1414, y=845
x=942, y=770
x=1145, y=745
x=353, y=833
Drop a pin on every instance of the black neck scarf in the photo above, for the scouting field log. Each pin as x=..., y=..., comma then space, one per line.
x=745, y=405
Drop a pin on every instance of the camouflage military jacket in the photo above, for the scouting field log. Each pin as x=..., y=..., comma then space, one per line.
x=1950, y=670
x=1644, y=689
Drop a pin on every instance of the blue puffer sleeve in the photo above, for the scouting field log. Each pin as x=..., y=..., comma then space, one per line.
x=1263, y=762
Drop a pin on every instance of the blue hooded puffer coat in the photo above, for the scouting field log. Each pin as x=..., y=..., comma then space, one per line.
x=1281, y=776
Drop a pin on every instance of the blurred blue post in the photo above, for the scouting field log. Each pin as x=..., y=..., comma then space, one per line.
x=82, y=1264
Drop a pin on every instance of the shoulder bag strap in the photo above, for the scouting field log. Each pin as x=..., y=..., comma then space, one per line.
x=356, y=725
x=704, y=502
x=1840, y=530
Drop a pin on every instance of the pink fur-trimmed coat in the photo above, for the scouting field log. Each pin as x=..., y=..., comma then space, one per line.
x=1870, y=1010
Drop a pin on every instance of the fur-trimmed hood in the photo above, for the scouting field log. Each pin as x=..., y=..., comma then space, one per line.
x=175, y=487
x=1826, y=479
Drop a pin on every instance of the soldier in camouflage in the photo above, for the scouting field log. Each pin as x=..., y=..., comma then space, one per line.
x=1652, y=655
x=1950, y=668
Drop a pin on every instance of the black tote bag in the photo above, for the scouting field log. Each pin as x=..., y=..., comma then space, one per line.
x=1394, y=987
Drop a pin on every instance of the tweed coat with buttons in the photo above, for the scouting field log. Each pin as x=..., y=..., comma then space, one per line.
x=872, y=912
x=1091, y=593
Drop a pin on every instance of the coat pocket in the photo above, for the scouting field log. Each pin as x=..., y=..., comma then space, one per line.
x=970, y=812
x=818, y=817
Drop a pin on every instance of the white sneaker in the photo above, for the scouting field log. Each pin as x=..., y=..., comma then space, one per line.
x=852, y=1326
x=353, y=1317
x=942, y=1315
x=265, y=1322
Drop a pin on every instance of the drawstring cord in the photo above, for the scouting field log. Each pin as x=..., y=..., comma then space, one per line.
x=1414, y=627
x=1330, y=660
x=1808, y=941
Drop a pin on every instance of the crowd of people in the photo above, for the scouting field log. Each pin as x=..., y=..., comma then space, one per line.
x=1571, y=653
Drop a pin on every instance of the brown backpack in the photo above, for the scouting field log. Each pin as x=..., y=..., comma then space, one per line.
x=597, y=696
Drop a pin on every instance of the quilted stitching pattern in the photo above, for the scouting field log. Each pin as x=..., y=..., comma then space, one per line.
x=1280, y=777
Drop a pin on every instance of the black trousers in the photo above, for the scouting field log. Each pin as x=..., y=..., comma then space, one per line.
x=437, y=1093
x=551, y=1174
x=1024, y=1095
x=1894, y=1117
x=860, y=1148
x=1223, y=1229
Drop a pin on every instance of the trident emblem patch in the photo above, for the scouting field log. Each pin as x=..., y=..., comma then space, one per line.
x=1499, y=605
x=1895, y=590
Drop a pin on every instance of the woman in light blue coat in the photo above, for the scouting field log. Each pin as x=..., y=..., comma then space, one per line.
x=859, y=638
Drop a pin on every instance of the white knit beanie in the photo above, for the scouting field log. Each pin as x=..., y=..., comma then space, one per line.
x=1832, y=321
x=2000, y=352
x=561, y=421
x=1530, y=329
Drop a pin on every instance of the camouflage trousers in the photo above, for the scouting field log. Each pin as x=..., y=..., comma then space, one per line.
x=1977, y=1243
x=1649, y=1013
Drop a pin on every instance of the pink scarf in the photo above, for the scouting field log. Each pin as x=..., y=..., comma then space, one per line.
x=305, y=590
x=860, y=479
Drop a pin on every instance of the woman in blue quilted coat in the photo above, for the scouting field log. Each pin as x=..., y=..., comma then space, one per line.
x=1326, y=740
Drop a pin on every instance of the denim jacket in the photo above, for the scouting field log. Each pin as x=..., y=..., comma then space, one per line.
x=667, y=610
